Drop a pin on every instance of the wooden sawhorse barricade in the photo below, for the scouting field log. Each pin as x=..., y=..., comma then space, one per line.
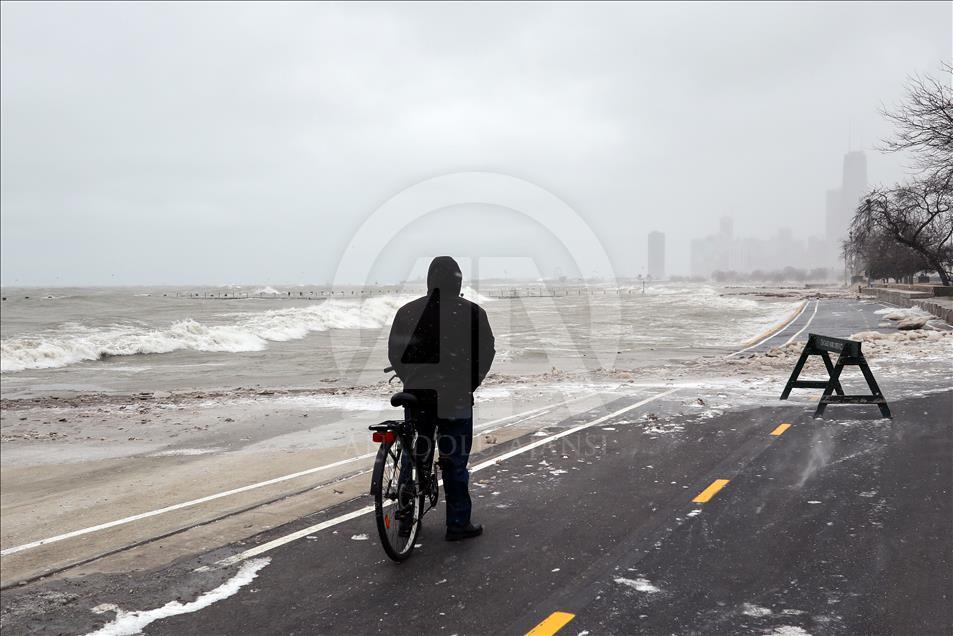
x=848, y=354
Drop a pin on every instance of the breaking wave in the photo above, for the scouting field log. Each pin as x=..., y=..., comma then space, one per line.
x=474, y=296
x=74, y=343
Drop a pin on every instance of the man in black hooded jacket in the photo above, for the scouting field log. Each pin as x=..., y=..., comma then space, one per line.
x=441, y=347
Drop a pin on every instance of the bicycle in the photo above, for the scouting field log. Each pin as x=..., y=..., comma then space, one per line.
x=401, y=483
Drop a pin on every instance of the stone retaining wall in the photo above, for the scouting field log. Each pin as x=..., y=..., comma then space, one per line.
x=899, y=297
x=942, y=309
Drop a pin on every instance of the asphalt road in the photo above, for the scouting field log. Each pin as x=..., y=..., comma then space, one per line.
x=829, y=528
x=732, y=524
x=834, y=317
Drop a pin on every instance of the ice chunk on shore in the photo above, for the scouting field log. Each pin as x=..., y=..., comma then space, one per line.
x=899, y=313
x=908, y=324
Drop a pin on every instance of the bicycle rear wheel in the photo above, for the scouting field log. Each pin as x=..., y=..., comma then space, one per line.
x=398, y=500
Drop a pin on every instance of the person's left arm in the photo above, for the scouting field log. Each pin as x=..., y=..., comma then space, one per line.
x=484, y=348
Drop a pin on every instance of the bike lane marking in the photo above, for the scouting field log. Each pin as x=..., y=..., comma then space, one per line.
x=706, y=495
x=294, y=536
x=234, y=491
x=806, y=325
x=179, y=506
x=573, y=601
x=551, y=624
x=777, y=329
x=780, y=429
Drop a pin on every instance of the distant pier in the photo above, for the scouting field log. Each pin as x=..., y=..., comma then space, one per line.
x=321, y=294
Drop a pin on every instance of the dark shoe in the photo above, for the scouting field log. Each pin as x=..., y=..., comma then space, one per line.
x=457, y=533
x=405, y=521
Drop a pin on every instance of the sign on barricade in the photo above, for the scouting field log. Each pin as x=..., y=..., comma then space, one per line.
x=848, y=354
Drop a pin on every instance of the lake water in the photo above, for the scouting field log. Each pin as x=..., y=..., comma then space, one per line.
x=165, y=339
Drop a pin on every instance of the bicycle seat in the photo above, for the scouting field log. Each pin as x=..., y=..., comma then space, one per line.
x=403, y=399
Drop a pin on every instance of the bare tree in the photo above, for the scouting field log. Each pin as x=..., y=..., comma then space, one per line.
x=886, y=258
x=924, y=123
x=917, y=215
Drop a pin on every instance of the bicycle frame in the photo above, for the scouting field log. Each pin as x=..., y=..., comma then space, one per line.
x=391, y=430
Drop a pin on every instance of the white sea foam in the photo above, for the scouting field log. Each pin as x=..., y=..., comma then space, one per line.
x=74, y=345
x=247, y=332
x=475, y=297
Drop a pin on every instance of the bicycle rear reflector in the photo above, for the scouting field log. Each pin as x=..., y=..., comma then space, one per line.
x=385, y=436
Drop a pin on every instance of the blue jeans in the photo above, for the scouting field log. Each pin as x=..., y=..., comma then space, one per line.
x=454, y=441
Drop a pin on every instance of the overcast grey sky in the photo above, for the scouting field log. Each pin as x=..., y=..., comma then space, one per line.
x=185, y=143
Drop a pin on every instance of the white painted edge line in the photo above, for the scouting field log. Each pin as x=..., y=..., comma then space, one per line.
x=294, y=536
x=179, y=506
x=773, y=334
x=806, y=325
x=235, y=491
x=529, y=414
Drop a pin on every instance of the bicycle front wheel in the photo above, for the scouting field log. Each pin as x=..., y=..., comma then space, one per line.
x=398, y=499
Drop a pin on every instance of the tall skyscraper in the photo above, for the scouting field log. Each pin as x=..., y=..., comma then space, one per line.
x=656, y=264
x=853, y=185
x=854, y=181
x=726, y=226
x=842, y=202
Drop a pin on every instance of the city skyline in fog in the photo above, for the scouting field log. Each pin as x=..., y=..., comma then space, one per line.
x=246, y=143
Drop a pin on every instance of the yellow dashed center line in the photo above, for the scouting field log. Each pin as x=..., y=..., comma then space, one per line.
x=552, y=624
x=706, y=495
x=780, y=429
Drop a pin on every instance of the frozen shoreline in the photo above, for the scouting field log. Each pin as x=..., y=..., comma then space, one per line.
x=111, y=342
x=96, y=457
x=99, y=425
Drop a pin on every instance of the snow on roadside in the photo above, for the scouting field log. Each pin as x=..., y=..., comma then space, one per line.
x=900, y=313
x=639, y=585
x=750, y=609
x=788, y=630
x=127, y=623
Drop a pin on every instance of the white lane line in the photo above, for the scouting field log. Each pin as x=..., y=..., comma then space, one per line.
x=773, y=334
x=530, y=414
x=806, y=325
x=569, y=431
x=294, y=536
x=179, y=506
x=235, y=491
